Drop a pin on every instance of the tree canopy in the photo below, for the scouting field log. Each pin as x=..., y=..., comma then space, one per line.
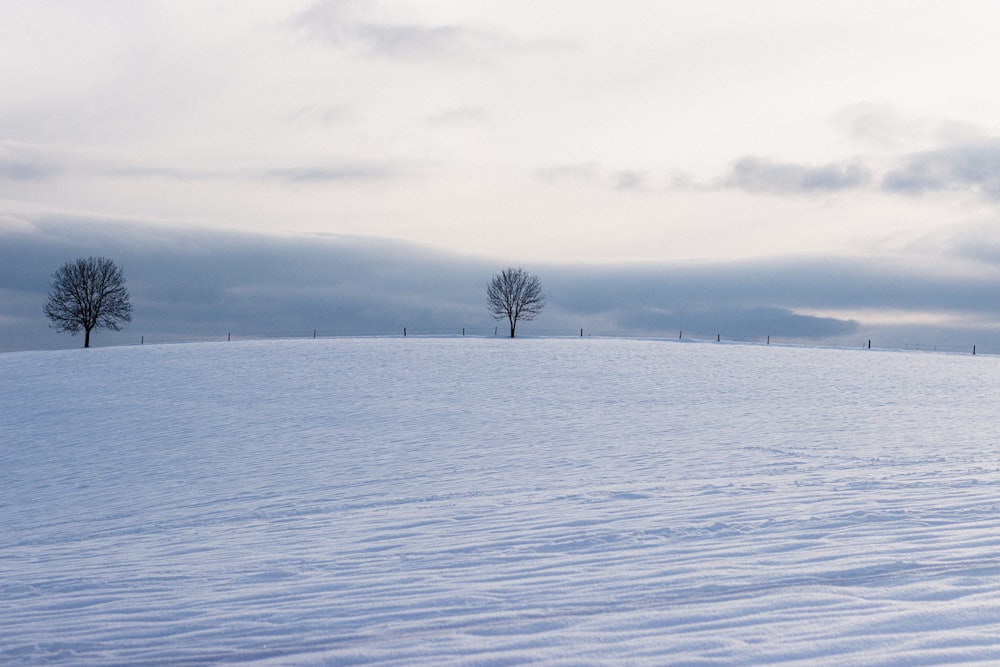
x=88, y=294
x=516, y=295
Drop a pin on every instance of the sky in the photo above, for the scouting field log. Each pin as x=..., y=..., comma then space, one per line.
x=828, y=171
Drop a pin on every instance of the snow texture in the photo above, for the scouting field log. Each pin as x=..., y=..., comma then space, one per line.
x=494, y=501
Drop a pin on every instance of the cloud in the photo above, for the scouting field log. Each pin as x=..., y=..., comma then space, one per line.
x=346, y=24
x=750, y=174
x=878, y=124
x=194, y=284
x=977, y=241
x=630, y=180
x=972, y=166
x=15, y=224
x=310, y=175
x=416, y=41
x=965, y=159
x=300, y=175
x=882, y=125
x=585, y=171
x=12, y=170
x=168, y=173
x=746, y=323
x=592, y=174
x=795, y=284
x=24, y=162
x=759, y=175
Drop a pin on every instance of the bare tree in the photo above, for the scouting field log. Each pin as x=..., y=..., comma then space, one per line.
x=88, y=294
x=515, y=294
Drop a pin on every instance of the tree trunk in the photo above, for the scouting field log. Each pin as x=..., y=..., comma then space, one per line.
x=86, y=339
x=512, y=325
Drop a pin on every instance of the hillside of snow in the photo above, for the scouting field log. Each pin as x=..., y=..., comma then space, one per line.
x=494, y=501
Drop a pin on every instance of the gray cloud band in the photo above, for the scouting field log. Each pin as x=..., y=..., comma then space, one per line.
x=200, y=283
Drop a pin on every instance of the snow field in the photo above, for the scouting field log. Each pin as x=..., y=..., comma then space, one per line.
x=488, y=501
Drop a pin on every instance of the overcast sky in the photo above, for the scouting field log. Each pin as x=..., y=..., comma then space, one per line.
x=834, y=165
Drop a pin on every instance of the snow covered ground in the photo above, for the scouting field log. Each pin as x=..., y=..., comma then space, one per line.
x=488, y=501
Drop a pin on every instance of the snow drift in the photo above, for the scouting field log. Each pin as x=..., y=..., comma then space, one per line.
x=489, y=501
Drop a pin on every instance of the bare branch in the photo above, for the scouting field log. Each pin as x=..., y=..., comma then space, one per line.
x=516, y=295
x=88, y=294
